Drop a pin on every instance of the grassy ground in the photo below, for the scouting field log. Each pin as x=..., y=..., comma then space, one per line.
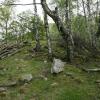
x=72, y=84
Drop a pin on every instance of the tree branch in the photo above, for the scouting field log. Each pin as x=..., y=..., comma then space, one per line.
x=21, y=4
x=54, y=15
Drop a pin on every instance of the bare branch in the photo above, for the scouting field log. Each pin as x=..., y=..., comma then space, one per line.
x=21, y=4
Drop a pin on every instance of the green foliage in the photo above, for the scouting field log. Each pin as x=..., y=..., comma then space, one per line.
x=5, y=18
x=54, y=33
x=79, y=26
x=81, y=86
x=27, y=24
x=40, y=26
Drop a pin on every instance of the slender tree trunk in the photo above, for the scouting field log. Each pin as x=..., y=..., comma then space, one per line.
x=37, y=47
x=98, y=31
x=90, y=18
x=84, y=11
x=97, y=8
x=48, y=36
x=6, y=32
x=70, y=42
x=77, y=2
x=87, y=18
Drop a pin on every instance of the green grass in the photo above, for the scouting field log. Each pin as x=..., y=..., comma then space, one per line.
x=81, y=86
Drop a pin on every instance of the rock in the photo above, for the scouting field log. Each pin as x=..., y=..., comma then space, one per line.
x=16, y=59
x=54, y=84
x=45, y=78
x=58, y=66
x=2, y=89
x=4, y=69
x=45, y=61
x=97, y=81
x=9, y=84
x=26, y=78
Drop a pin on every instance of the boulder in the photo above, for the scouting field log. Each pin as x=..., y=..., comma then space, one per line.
x=26, y=78
x=58, y=66
x=2, y=89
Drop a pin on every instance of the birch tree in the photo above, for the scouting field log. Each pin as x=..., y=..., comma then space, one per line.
x=37, y=36
x=48, y=36
x=5, y=17
x=60, y=25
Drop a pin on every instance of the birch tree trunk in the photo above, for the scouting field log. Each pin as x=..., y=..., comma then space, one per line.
x=6, y=28
x=70, y=42
x=97, y=9
x=48, y=36
x=84, y=11
x=90, y=28
x=37, y=47
x=61, y=27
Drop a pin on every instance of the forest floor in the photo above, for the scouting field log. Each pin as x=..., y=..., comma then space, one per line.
x=72, y=84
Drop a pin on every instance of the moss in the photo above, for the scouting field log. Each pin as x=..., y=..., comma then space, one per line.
x=66, y=87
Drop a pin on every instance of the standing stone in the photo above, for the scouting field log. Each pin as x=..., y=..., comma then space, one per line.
x=58, y=66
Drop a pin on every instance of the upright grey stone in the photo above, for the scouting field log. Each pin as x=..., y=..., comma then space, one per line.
x=58, y=66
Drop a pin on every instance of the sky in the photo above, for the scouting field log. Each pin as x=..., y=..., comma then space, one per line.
x=23, y=8
x=31, y=7
x=19, y=9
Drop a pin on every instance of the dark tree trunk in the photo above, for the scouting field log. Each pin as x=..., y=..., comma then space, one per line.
x=61, y=28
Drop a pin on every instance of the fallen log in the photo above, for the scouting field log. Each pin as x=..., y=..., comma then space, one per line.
x=8, y=47
x=6, y=52
x=91, y=70
x=10, y=54
x=10, y=50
